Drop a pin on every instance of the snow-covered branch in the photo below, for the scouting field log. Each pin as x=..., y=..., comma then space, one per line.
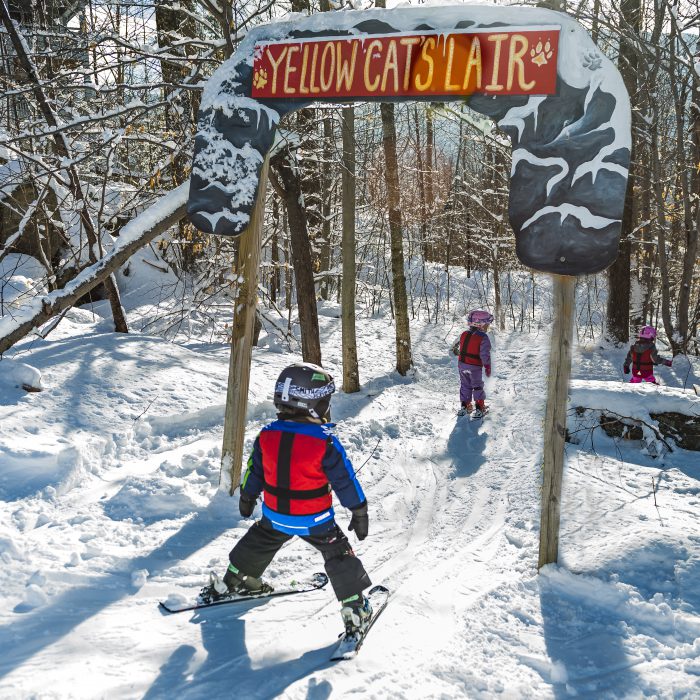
x=151, y=223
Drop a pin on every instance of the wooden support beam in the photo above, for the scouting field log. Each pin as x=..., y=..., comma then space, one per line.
x=564, y=291
x=242, y=341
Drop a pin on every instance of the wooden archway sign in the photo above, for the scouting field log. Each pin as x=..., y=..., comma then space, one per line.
x=534, y=71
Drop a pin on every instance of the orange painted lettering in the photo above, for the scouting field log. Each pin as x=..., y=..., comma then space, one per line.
x=312, y=86
x=371, y=87
x=275, y=65
x=423, y=85
x=304, y=63
x=515, y=57
x=288, y=70
x=327, y=72
x=410, y=42
x=474, y=61
x=391, y=64
x=450, y=58
x=346, y=68
x=498, y=39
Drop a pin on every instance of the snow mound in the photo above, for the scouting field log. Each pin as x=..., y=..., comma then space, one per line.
x=181, y=423
x=34, y=597
x=633, y=400
x=155, y=498
x=9, y=550
x=33, y=464
x=20, y=375
x=139, y=578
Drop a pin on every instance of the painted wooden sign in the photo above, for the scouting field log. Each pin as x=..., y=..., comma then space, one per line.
x=535, y=72
x=519, y=61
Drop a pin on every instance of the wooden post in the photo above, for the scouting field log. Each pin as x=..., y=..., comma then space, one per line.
x=242, y=341
x=564, y=289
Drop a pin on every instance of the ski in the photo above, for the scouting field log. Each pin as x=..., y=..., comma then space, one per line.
x=306, y=585
x=349, y=645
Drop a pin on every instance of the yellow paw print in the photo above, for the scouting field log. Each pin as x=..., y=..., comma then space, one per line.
x=540, y=55
x=260, y=79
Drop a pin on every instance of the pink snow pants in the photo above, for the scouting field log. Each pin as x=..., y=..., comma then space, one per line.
x=643, y=378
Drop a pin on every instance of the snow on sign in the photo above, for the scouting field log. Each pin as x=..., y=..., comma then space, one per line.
x=521, y=62
x=535, y=72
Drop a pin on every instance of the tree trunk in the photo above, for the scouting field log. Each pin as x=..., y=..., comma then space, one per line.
x=351, y=373
x=289, y=187
x=692, y=228
x=391, y=173
x=618, y=306
x=429, y=160
x=326, y=192
x=173, y=25
x=661, y=238
x=275, y=280
x=425, y=249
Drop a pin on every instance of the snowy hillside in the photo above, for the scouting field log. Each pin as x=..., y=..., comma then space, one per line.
x=109, y=503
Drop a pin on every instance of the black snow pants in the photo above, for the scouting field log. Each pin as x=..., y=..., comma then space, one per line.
x=257, y=548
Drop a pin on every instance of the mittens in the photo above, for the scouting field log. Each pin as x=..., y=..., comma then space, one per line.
x=360, y=521
x=246, y=506
x=668, y=363
x=487, y=369
x=626, y=369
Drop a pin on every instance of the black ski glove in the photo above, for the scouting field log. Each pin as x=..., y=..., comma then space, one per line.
x=246, y=506
x=360, y=521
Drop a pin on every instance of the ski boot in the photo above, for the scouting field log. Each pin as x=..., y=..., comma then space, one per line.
x=356, y=613
x=233, y=583
x=481, y=409
x=466, y=408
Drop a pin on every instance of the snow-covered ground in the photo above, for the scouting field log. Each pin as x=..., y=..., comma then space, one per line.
x=109, y=503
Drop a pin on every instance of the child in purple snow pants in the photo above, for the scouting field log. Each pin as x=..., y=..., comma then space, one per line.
x=473, y=350
x=471, y=383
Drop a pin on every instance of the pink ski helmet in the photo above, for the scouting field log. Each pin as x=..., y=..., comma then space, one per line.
x=479, y=318
x=648, y=332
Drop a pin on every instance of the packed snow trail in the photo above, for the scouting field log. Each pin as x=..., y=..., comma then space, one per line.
x=125, y=511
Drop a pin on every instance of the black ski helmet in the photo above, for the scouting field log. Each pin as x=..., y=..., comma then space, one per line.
x=304, y=388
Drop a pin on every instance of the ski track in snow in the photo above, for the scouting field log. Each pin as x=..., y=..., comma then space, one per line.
x=454, y=514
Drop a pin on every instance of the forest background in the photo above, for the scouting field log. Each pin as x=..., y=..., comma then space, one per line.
x=97, y=122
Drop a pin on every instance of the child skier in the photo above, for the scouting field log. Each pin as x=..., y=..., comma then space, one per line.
x=295, y=462
x=642, y=356
x=474, y=352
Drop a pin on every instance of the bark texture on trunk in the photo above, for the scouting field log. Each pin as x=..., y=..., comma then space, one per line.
x=618, y=306
x=351, y=372
x=287, y=183
x=391, y=173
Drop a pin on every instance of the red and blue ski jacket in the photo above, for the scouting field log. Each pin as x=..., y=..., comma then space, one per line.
x=295, y=465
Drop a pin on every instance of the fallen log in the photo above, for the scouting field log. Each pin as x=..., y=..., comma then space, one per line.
x=152, y=222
